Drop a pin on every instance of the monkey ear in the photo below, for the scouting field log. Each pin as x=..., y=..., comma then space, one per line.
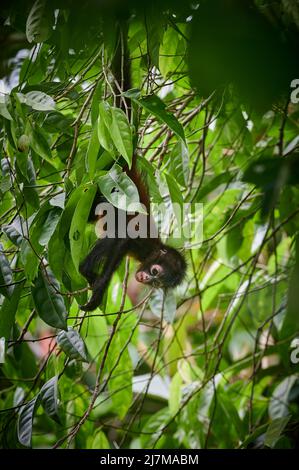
x=163, y=251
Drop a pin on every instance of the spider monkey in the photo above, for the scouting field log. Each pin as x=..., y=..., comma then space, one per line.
x=160, y=264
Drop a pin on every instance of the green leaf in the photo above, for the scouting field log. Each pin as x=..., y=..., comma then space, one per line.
x=155, y=105
x=275, y=430
x=29, y=257
x=5, y=274
x=175, y=394
x=8, y=311
x=100, y=440
x=25, y=421
x=49, y=226
x=39, y=24
x=72, y=344
x=49, y=398
x=121, y=134
x=214, y=183
x=38, y=100
x=14, y=232
x=40, y=145
x=120, y=190
x=120, y=383
x=48, y=302
x=3, y=108
x=92, y=152
x=104, y=124
x=279, y=401
x=165, y=302
x=79, y=221
x=179, y=161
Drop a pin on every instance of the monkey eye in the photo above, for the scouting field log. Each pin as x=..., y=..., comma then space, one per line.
x=156, y=270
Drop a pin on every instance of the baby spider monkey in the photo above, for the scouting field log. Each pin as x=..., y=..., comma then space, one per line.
x=160, y=264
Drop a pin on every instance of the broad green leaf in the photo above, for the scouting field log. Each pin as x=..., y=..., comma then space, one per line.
x=72, y=344
x=275, y=430
x=49, y=226
x=92, y=152
x=157, y=107
x=58, y=200
x=3, y=108
x=279, y=401
x=147, y=171
x=120, y=190
x=29, y=256
x=79, y=221
x=37, y=100
x=39, y=24
x=48, y=302
x=40, y=146
x=121, y=134
x=95, y=333
x=5, y=274
x=25, y=421
x=8, y=311
x=120, y=382
x=100, y=440
x=214, y=183
x=163, y=303
x=179, y=161
x=153, y=428
x=49, y=398
x=175, y=394
x=104, y=125
x=14, y=232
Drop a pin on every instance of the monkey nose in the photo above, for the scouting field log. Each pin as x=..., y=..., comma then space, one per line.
x=141, y=276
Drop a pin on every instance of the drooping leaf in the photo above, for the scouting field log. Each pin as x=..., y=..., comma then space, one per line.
x=8, y=311
x=38, y=25
x=157, y=107
x=5, y=274
x=92, y=152
x=3, y=108
x=179, y=160
x=275, y=430
x=49, y=226
x=279, y=401
x=40, y=145
x=49, y=398
x=38, y=100
x=163, y=304
x=104, y=124
x=120, y=383
x=121, y=134
x=72, y=344
x=100, y=440
x=79, y=221
x=120, y=190
x=25, y=421
x=48, y=302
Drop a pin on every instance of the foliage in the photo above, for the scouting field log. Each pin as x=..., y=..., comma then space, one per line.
x=209, y=365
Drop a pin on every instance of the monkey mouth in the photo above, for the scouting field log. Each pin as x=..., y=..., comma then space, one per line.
x=142, y=277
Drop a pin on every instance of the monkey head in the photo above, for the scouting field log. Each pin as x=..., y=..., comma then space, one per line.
x=164, y=268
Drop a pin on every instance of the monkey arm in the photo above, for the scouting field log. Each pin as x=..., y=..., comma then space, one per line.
x=114, y=250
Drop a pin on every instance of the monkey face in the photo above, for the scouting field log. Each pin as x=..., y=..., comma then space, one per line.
x=152, y=275
x=165, y=269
